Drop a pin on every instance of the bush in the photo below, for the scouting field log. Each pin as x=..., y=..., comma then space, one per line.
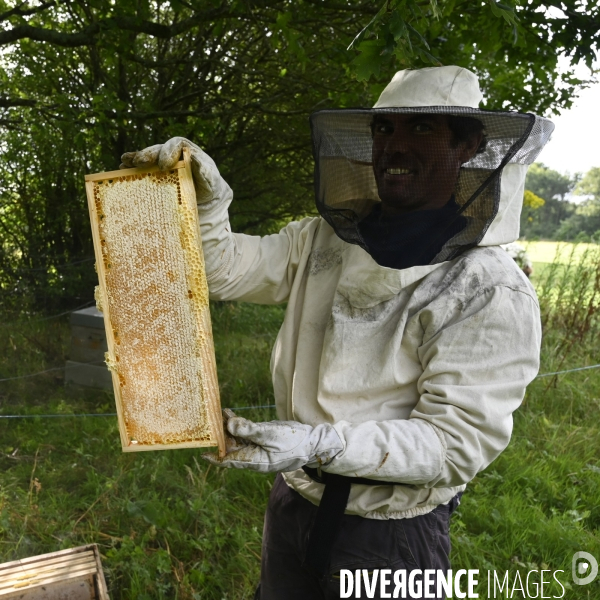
x=581, y=237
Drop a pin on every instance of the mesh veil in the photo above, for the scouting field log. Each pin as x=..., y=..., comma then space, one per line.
x=350, y=180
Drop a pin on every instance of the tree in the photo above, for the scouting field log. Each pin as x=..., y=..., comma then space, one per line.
x=589, y=185
x=238, y=83
x=547, y=183
x=514, y=46
x=584, y=223
x=85, y=80
x=552, y=187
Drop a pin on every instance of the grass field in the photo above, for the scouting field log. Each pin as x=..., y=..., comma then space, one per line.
x=169, y=526
x=562, y=252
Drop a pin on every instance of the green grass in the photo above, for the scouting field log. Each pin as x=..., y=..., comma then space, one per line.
x=536, y=505
x=562, y=252
x=169, y=526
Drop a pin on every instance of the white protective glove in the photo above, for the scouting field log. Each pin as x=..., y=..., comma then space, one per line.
x=278, y=446
x=208, y=182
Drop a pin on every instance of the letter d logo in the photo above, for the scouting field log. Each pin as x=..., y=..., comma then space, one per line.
x=579, y=568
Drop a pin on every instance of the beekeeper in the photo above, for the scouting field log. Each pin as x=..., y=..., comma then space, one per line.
x=398, y=366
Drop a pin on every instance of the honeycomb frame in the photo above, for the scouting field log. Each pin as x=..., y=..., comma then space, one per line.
x=154, y=296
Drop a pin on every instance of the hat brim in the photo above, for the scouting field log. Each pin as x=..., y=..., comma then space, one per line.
x=503, y=130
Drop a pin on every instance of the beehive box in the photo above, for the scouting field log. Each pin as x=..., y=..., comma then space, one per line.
x=154, y=297
x=73, y=574
x=88, y=346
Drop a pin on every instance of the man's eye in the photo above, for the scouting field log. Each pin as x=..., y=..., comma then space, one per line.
x=422, y=128
x=383, y=128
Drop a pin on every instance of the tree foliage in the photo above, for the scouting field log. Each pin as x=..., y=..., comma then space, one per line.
x=514, y=46
x=82, y=81
x=237, y=80
x=558, y=216
x=584, y=224
x=589, y=185
x=548, y=183
x=552, y=188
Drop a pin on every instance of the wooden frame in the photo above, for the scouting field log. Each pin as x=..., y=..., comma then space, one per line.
x=74, y=573
x=174, y=235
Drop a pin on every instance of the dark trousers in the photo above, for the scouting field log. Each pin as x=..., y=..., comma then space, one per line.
x=422, y=542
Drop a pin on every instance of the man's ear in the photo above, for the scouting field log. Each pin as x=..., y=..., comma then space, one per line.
x=468, y=148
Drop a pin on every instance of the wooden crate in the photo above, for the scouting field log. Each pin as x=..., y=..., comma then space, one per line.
x=154, y=297
x=88, y=346
x=74, y=574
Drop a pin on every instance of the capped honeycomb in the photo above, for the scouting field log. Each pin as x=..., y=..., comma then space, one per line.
x=154, y=296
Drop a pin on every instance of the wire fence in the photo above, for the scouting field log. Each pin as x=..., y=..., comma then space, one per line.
x=62, y=314
x=67, y=415
x=53, y=266
x=78, y=365
x=568, y=371
x=235, y=408
x=71, y=366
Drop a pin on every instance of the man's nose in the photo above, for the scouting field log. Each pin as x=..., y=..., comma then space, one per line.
x=397, y=144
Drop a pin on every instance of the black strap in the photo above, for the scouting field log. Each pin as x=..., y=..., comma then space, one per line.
x=327, y=523
x=329, y=515
x=324, y=477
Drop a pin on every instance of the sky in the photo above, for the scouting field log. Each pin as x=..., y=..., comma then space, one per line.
x=575, y=143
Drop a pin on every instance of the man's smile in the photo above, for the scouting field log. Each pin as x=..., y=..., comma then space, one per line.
x=393, y=172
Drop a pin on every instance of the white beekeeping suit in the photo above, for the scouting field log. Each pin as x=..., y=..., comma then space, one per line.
x=418, y=369
x=406, y=375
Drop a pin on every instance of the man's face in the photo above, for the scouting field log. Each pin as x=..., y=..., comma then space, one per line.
x=416, y=161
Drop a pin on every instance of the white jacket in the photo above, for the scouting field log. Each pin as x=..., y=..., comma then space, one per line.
x=418, y=369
